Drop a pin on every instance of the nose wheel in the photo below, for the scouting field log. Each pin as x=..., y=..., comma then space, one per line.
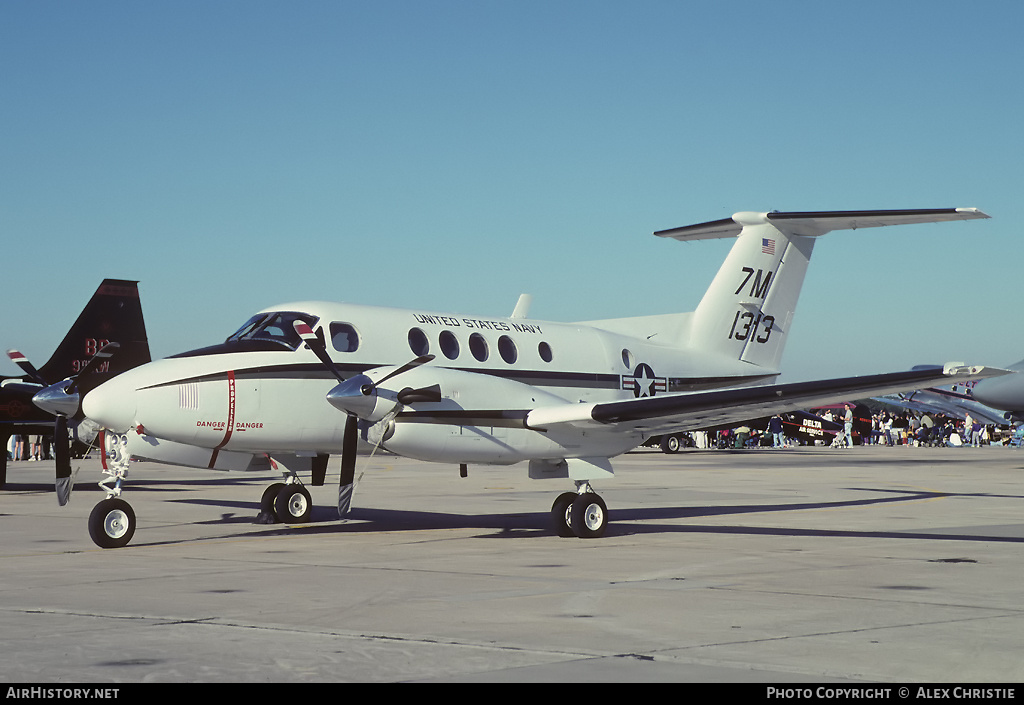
x=112, y=520
x=582, y=514
x=112, y=523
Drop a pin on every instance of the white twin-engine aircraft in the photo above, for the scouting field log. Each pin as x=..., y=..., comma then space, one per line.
x=302, y=381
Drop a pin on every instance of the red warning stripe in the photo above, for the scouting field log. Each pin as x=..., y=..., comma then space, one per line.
x=230, y=426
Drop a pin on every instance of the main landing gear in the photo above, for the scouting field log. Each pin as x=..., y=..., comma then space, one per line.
x=285, y=502
x=581, y=513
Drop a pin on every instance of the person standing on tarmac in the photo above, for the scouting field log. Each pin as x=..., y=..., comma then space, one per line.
x=775, y=428
x=848, y=425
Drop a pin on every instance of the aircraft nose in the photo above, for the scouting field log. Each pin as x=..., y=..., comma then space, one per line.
x=112, y=404
x=1004, y=393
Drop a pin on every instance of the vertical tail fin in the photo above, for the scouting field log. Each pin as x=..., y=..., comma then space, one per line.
x=748, y=309
x=113, y=315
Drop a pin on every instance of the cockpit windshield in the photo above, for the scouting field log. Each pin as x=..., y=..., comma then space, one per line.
x=276, y=327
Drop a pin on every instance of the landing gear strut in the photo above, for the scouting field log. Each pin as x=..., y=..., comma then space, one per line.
x=581, y=513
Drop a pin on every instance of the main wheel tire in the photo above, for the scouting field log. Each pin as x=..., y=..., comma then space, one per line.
x=589, y=516
x=561, y=514
x=671, y=444
x=268, y=514
x=293, y=504
x=112, y=523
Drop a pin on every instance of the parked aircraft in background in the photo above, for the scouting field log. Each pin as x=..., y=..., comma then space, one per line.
x=113, y=314
x=953, y=400
x=1007, y=396
x=301, y=381
x=994, y=401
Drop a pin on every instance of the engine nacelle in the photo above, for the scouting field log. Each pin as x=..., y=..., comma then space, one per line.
x=481, y=419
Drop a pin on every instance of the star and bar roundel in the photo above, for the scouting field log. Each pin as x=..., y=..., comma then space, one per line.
x=643, y=382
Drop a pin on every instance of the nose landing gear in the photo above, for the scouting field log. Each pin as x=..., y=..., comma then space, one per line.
x=112, y=521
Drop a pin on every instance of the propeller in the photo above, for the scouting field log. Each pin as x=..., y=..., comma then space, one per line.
x=63, y=400
x=358, y=394
x=21, y=361
x=357, y=397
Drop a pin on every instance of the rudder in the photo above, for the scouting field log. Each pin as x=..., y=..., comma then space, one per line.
x=113, y=314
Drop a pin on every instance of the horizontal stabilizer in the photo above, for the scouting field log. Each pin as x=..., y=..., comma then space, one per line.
x=815, y=223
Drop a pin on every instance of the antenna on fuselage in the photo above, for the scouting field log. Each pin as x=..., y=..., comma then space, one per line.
x=522, y=306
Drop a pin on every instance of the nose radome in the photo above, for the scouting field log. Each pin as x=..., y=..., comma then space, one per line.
x=112, y=404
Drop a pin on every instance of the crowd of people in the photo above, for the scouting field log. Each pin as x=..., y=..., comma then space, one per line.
x=887, y=428
x=28, y=448
x=927, y=430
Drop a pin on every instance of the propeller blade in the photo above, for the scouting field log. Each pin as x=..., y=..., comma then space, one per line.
x=317, y=346
x=104, y=354
x=348, y=464
x=411, y=365
x=21, y=361
x=62, y=457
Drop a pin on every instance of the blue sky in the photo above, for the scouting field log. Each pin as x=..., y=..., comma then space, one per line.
x=450, y=155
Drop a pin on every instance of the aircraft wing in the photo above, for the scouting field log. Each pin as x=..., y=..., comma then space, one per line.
x=666, y=413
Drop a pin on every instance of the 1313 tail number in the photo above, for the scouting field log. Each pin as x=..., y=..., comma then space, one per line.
x=753, y=326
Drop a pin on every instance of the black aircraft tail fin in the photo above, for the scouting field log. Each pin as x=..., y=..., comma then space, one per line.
x=113, y=315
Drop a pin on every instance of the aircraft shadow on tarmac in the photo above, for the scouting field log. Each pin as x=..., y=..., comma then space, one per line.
x=624, y=522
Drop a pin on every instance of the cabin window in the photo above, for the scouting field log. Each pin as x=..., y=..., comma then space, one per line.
x=478, y=346
x=344, y=337
x=418, y=342
x=507, y=349
x=544, y=350
x=627, y=359
x=449, y=344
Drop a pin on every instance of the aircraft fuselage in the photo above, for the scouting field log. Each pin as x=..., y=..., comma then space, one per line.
x=263, y=391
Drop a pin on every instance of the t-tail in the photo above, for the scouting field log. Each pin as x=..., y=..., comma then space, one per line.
x=113, y=315
x=748, y=310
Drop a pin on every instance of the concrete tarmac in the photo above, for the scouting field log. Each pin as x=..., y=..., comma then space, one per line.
x=893, y=565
